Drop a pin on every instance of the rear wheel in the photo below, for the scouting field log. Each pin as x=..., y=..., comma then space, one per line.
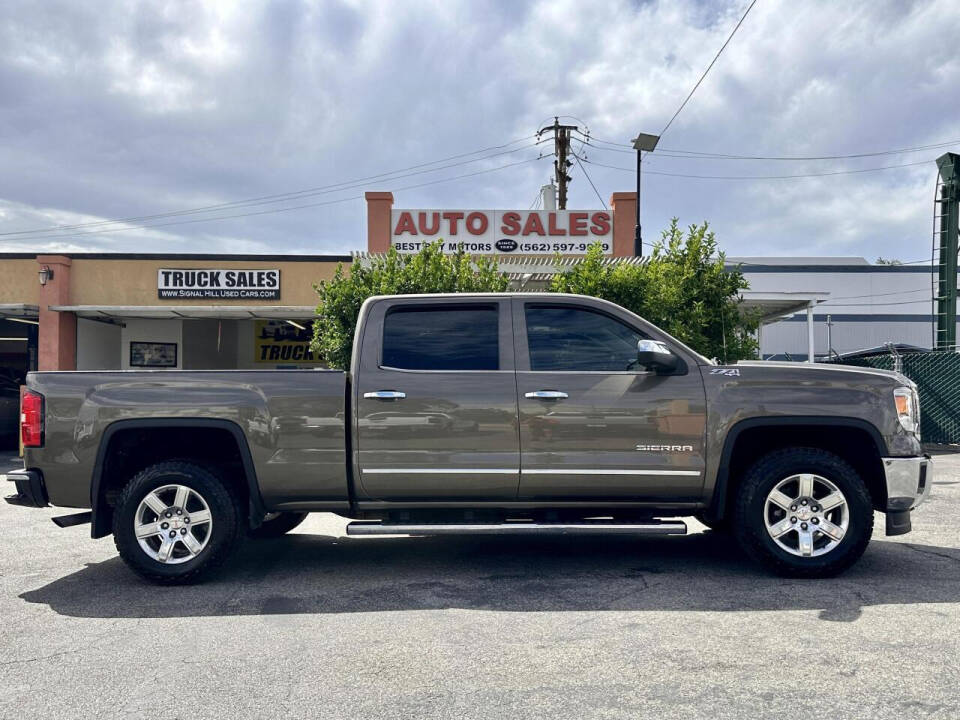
x=277, y=524
x=175, y=522
x=803, y=512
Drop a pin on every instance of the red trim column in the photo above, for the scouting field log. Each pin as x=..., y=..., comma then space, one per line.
x=57, y=340
x=379, y=205
x=624, y=206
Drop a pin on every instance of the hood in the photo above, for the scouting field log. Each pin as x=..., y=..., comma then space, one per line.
x=821, y=368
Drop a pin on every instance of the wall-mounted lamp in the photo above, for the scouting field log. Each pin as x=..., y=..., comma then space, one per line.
x=45, y=274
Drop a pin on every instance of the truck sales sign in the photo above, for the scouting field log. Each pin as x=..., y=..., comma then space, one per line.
x=211, y=283
x=493, y=232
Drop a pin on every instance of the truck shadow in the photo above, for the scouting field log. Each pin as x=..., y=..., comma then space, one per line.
x=317, y=574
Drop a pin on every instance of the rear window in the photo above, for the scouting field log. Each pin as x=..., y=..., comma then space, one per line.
x=448, y=338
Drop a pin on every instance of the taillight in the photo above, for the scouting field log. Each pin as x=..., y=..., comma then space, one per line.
x=31, y=419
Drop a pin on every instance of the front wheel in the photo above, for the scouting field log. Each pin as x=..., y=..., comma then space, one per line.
x=175, y=522
x=803, y=512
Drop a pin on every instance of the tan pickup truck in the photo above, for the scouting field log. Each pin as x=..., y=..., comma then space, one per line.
x=506, y=413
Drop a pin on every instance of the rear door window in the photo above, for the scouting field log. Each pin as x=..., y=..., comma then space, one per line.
x=447, y=338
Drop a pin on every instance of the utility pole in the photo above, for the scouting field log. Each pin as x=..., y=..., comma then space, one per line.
x=561, y=149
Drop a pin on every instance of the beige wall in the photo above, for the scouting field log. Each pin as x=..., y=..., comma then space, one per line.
x=19, y=282
x=134, y=282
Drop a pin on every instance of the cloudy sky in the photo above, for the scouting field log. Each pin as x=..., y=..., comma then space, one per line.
x=124, y=109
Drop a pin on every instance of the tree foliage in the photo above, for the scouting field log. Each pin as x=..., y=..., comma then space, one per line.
x=683, y=288
x=428, y=271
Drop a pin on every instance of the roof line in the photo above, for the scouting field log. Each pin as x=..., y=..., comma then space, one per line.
x=182, y=256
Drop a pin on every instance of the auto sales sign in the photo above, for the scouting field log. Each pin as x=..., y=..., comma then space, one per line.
x=220, y=284
x=494, y=232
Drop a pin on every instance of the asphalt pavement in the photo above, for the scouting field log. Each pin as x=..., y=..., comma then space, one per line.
x=318, y=625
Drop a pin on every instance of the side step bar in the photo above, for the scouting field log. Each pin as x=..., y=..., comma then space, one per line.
x=80, y=518
x=375, y=527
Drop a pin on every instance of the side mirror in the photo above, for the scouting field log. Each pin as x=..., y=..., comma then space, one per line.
x=654, y=355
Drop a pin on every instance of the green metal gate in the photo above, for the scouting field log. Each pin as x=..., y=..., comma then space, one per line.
x=937, y=375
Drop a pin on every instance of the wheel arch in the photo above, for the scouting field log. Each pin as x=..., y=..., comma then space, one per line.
x=102, y=511
x=856, y=440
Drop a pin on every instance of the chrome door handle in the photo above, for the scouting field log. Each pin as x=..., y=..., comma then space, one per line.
x=546, y=394
x=385, y=395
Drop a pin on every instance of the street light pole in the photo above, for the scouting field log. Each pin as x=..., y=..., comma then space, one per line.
x=637, y=236
x=642, y=143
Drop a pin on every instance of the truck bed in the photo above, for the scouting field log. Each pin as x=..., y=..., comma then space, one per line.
x=292, y=421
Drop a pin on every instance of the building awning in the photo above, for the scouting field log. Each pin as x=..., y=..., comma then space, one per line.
x=222, y=312
x=19, y=310
x=773, y=306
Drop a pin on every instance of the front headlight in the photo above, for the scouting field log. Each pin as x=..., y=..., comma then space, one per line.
x=908, y=408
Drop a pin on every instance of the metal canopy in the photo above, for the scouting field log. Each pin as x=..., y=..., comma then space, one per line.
x=222, y=312
x=19, y=310
x=776, y=305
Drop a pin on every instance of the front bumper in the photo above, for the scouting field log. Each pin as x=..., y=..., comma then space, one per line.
x=908, y=484
x=31, y=492
x=908, y=481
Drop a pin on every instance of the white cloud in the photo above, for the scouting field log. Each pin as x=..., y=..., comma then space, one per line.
x=121, y=109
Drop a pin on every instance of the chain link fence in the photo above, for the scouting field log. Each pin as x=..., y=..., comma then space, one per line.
x=937, y=375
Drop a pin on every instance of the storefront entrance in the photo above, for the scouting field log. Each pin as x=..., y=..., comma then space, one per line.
x=191, y=338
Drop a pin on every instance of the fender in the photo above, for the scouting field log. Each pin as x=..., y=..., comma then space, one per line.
x=100, y=525
x=717, y=508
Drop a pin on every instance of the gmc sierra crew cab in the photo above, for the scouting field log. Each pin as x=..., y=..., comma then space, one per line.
x=488, y=413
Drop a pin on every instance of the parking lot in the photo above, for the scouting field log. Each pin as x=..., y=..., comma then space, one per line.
x=319, y=625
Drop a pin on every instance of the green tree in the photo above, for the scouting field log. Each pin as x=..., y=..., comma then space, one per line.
x=428, y=271
x=683, y=287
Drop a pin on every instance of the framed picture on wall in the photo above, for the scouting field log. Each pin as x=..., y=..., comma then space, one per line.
x=153, y=354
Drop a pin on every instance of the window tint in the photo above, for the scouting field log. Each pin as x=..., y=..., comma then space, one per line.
x=565, y=338
x=451, y=338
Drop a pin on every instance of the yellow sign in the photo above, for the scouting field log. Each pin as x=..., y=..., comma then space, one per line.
x=279, y=342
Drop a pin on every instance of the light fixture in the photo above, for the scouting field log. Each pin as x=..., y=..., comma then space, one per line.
x=647, y=143
x=13, y=339
x=641, y=143
x=296, y=325
x=45, y=274
x=23, y=320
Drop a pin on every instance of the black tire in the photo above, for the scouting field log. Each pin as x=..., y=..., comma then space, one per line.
x=749, y=507
x=225, y=534
x=277, y=524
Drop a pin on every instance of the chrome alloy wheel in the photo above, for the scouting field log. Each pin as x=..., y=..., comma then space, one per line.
x=173, y=524
x=806, y=515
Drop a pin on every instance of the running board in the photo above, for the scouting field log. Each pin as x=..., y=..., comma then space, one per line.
x=80, y=518
x=375, y=527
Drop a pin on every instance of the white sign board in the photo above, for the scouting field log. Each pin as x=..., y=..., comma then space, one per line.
x=204, y=283
x=493, y=232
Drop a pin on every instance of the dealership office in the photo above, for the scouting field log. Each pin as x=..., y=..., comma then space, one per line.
x=93, y=311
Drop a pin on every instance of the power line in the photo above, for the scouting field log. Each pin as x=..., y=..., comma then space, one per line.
x=899, y=292
x=715, y=57
x=587, y=175
x=904, y=302
x=760, y=177
x=696, y=154
x=293, y=195
x=283, y=209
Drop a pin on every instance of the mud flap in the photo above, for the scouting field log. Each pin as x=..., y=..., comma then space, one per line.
x=898, y=522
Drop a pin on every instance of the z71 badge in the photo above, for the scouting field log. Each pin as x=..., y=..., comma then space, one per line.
x=732, y=372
